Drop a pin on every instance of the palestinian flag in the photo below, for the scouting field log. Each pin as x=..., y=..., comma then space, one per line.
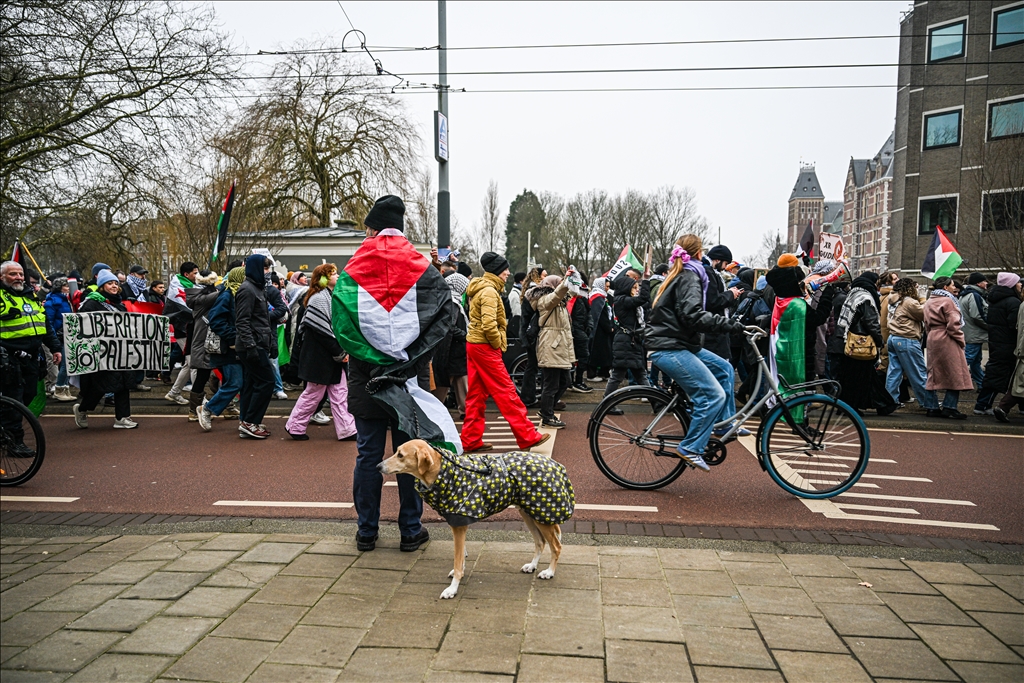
x=788, y=350
x=941, y=259
x=807, y=242
x=222, y=222
x=390, y=308
x=627, y=259
x=23, y=257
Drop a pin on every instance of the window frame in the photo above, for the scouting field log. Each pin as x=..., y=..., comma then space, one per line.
x=984, y=196
x=992, y=104
x=965, y=20
x=931, y=198
x=940, y=112
x=1003, y=10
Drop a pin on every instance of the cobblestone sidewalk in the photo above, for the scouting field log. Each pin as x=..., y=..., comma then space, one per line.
x=282, y=607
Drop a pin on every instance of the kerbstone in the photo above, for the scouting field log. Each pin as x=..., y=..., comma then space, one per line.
x=811, y=667
x=274, y=553
x=223, y=660
x=166, y=636
x=484, y=652
x=205, y=601
x=907, y=659
x=64, y=651
x=865, y=620
x=810, y=634
x=547, y=669
x=120, y=615
x=726, y=647
x=408, y=630
x=965, y=643
x=317, y=646
x=641, y=623
x=577, y=637
x=261, y=622
x=630, y=661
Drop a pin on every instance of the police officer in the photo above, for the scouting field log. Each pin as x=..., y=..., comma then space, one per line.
x=23, y=330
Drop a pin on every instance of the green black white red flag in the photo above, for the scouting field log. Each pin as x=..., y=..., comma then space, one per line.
x=390, y=308
x=942, y=258
x=627, y=259
x=222, y=223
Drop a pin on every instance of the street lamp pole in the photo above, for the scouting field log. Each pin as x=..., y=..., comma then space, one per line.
x=444, y=235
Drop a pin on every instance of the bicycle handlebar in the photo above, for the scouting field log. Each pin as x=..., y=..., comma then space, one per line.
x=753, y=332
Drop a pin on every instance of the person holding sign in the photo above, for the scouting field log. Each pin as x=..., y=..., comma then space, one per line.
x=107, y=297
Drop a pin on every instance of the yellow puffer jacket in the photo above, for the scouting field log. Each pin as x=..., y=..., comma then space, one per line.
x=486, y=312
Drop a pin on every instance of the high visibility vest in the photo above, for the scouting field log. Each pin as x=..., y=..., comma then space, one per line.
x=30, y=323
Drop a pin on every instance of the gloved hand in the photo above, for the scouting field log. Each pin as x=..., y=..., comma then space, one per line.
x=736, y=327
x=252, y=354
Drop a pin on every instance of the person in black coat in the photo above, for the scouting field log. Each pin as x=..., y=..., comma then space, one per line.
x=107, y=297
x=720, y=300
x=449, y=366
x=255, y=343
x=582, y=331
x=862, y=388
x=321, y=361
x=221, y=320
x=1003, y=302
x=628, y=352
x=602, y=331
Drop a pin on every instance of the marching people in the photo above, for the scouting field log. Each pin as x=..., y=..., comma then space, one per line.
x=632, y=294
x=720, y=300
x=555, y=354
x=221, y=322
x=57, y=304
x=487, y=375
x=678, y=319
x=200, y=299
x=1003, y=302
x=321, y=361
x=946, y=362
x=974, y=306
x=859, y=320
x=528, y=338
x=177, y=310
x=602, y=331
x=582, y=331
x=1015, y=395
x=278, y=318
x=906, y=357
x=107, y=297
x=449, y=360
x=155, y=293
x=23, y=332
x=255, y=344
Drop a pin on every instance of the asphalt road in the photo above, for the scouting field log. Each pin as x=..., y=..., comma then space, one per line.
x=965, y=486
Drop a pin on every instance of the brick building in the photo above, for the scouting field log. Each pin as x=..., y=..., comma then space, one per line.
x=959, y=157
x=807, y=202
x=867, y=205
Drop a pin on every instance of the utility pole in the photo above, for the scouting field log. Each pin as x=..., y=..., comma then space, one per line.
x=444, y=205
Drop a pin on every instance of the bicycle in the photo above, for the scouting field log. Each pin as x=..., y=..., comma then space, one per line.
x=20, y=459
x=811, y=444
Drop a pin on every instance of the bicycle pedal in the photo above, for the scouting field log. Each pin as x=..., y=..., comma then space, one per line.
x=715, y=452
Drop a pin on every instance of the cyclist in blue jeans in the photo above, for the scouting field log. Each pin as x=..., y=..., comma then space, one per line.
x=678, y=320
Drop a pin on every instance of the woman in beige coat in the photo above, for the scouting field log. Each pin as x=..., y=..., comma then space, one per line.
x=555, y=354
x=947, y=364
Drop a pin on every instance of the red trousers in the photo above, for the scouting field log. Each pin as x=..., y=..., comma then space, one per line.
x=488, y=377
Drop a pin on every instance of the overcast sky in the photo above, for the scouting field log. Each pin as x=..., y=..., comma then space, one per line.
x=740, y=150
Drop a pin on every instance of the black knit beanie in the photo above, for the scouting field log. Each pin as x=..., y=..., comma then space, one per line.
x=493, y=263
x=719, y=252
x=387, y=212
x=785, y=281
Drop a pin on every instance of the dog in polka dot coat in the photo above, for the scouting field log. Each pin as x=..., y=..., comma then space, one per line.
x=466, y=488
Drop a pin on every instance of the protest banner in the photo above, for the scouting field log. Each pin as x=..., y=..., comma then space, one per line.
x=112, y=340
x=831, y=247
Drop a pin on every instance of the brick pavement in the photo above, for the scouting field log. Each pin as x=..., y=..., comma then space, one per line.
x=258, y=607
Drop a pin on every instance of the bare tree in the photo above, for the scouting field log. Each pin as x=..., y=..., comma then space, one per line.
x=994, y=191
x=492, y=231
x=675, y=213
x=768, y=252
x=421, y=208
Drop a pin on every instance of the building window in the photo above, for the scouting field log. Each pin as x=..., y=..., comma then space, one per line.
x=946, y=42
x=942, y=130
x=940, y=211
x=1008, y=27
x=1003, y=211
x=1006, y=119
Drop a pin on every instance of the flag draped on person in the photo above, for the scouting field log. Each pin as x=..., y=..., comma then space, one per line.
x=390, y=308
x=222, y=223
x=627, y=259
x=942, y=258
x=788, y=351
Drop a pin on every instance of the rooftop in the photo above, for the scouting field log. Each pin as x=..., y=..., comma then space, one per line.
x=807, y=185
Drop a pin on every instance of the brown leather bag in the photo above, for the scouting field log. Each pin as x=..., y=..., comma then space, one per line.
x=860, y=346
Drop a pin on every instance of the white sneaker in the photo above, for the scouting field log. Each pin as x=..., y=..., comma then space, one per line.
x=990, y=411
x=187, y=387
x=205, y=418
x=176, y=398
x=63, y=394
x=694, y=460
x=125, y=423
x=320, y=418
x=280, y=394
x=81, y=418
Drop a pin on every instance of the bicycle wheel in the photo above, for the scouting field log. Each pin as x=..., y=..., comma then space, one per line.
x=20, y=458
x=621, y=454
x=822, y=454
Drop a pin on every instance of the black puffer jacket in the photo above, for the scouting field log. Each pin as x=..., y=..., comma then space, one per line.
x=252, y=318
x=718, y=300
x=316, y=358
x=1002, y=338
x=679, y=319
x=628, y=344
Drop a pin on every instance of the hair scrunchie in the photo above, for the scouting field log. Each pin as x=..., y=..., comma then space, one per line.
x=678, y=253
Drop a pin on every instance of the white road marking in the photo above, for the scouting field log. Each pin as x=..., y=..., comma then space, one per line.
x=921, y=522
x=891, y=476
x=877, y=508
x=617, y=508
x=282, y=504
x=36, y=499
x=391, y=483
x=908, y=499
x=833, y=482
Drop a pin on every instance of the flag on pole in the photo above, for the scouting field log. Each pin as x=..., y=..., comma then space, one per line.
x=23, y=257
x=806, y=246
x=222, y=222
x=942, y=258
x=627, y=259
x=390, y=308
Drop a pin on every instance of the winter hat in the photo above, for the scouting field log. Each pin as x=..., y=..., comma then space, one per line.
x=98, y=267
x=719, y=252
x=975, y=278
x=786, y=280
x=551, y=281
x=105, y=276
x=138, y=270
x=788, y=261
x=463, y=269
x=58, y=283
x=386, y=212
x=1009, y=280
x=493, y=263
